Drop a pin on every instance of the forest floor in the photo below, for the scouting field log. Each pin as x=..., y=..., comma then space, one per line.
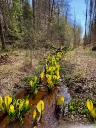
x=78, y=71
x=20, y=64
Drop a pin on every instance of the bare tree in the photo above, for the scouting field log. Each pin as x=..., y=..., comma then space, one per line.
x=2, y=27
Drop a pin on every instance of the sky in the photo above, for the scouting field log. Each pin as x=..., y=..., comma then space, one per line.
x=79, y=7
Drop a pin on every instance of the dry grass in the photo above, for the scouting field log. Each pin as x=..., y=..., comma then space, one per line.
x=84, y=62
x=22, y=64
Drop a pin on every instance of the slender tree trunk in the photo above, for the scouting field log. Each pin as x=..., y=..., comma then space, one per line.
x=51, y=15
x=74, y=30
x=90, y=25
x=33, y=4
x=2, y=31
x=58, y=14
x=52, y=7
x=86, y=22
x=48, y=26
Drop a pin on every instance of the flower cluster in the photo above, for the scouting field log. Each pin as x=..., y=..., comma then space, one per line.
x=91, y=108
x=38, y=111
x=59, y=55
x=32, y=84
x=52, y=70
x=14, y=108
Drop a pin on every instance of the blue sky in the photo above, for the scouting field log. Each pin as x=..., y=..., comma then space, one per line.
x=79, y=7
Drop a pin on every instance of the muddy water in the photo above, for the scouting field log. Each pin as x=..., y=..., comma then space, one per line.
x=49, y=118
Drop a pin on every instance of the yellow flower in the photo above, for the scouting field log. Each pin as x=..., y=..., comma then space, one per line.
x=57, y=58
x=57, y=66
x=11, y=109
x=34, y=127
x=0, y=102
x=49, y=69
x=27, y=102
x=17, y=102
x=54, y=77
x=31, y=83
x=60, y=100
x=59, y=55
x=89, y=105
x=48, y=77
x=40, y=106
x=50, y=84
x=58, y=77
x=53, y=68
x=93, y=113
x=21, y=105
x=57, y=72
x=34, y=114
x=53, y=60
x=7, y=100
x=46, y=67
x=49, y=81
x=42, y=75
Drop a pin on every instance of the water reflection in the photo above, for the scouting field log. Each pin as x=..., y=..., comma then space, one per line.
x=49, y=117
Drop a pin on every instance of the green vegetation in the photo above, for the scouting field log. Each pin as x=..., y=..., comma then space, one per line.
x=32, y=84
x=15, y=109
x=40, y=24
x=46, y=25
x=52, y=71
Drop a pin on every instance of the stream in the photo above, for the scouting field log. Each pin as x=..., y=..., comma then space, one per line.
x=49, y=117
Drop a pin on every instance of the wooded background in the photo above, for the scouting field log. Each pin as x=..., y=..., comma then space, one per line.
x=90, y=23
x=46, y=23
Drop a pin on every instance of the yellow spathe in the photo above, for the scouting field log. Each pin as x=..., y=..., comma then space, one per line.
x=42, y=74
x=11, y=109
x=89, y=105
x=7, y=100
x=34, y=114
x=21, y=105
x=0, y=102
x=40, y=106
x=31, y=83
x=93, y=113
x=27, y=102
x=60, y=100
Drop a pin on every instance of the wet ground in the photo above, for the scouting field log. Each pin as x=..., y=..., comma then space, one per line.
x=50, y=117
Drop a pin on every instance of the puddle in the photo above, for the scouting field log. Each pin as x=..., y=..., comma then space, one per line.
x=49, y=117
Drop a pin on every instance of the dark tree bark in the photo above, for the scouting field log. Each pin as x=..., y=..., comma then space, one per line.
x=2, y=33
x=85, y=38
x=33, y=4
x=2, y=29
x=53, y=2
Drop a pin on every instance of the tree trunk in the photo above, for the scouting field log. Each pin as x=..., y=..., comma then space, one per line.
x=33, y=4
x=53, y=2
x=2, y=32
